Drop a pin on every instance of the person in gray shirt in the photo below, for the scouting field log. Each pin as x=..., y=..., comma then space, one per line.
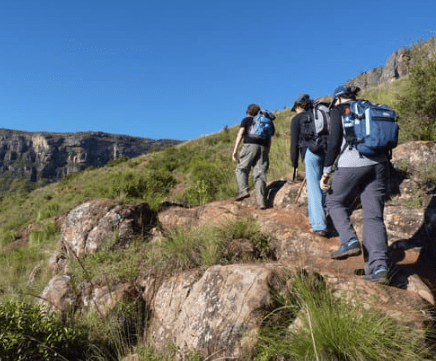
x=360, y=176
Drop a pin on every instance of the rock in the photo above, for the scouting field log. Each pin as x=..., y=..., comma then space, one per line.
x=50, y=156
x=100, y=224
x=211, y=313
x=59, y=295
x=396, y=67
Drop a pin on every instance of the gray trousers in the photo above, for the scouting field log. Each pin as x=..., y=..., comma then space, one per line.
x=253, y=156
x=369, y=183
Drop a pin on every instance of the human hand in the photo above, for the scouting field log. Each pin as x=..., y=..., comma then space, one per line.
x=325, y=182
x=235, y=156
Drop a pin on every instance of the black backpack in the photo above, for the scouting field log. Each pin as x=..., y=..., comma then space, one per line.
x=315, y=127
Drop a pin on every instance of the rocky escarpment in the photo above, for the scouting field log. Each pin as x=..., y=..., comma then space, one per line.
x=217, y=310
x=49, y=156
x=396, y=67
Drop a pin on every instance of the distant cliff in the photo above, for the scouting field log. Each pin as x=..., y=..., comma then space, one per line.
x=396, y=67
x=49, y=156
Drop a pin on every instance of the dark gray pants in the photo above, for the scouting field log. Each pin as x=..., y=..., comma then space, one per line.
x=256, y=156
x=369, y=183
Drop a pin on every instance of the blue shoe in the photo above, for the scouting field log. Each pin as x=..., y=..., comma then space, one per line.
x=380, y=275
x=352, y=248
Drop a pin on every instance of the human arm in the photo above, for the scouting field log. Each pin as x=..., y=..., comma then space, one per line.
x=333, y=148
x=295, y=134
x=235, y=155
x=334, y=140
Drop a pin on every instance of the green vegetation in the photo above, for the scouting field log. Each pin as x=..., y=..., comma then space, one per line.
x=332, y=329
x=416, y=103
x=28, y=333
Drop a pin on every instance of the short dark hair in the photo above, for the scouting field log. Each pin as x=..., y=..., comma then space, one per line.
x=253, y=109
x=302, y=101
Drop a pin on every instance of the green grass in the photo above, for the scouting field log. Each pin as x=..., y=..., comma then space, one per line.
x=334, y=329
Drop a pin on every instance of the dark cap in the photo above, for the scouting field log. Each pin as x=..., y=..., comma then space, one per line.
x=344, y=91
x=302, y=101
x=340, y=91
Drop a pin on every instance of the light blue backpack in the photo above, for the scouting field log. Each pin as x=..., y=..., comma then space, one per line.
x=262, y=126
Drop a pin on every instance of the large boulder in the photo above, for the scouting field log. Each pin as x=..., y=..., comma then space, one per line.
x=211, y=314
x=102, y=224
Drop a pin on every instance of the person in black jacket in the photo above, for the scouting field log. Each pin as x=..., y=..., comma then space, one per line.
x=254, y=154
x=313, y=163
x=360, y=176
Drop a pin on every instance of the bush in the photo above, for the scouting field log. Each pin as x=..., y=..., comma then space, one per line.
x=147, y=185
x=417, y=104
x=29, y=333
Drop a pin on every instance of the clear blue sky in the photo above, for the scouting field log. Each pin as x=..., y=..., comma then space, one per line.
x=181, y=69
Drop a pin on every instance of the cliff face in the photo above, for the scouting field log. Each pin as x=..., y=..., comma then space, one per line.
x=49, y=156
x=396, y=67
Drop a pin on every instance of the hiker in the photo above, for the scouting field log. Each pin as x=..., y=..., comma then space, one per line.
x=356, y=175
x=301, y=143
x=254, y=153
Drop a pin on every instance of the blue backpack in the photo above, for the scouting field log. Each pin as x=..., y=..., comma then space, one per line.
x=370, y=128
x=262, y=126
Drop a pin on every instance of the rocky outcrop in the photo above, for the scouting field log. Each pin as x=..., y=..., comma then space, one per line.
x=49, y=156
x=396, y=67
x=218, y=310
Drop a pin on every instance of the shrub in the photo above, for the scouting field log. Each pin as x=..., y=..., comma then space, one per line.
x=417, y=104
x=29, y=333
x=146, y=185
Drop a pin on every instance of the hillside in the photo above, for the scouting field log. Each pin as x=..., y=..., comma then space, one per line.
x=37, y=158
x=150, y=258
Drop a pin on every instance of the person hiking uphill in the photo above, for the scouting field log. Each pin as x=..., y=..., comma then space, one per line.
x=256, y=130
x=356, y=175
x=313, y=162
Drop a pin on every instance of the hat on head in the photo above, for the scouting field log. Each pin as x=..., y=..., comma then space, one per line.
x=340, y=91
x=302, y=101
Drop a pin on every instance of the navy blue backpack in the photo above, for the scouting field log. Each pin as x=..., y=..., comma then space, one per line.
x=370, y=128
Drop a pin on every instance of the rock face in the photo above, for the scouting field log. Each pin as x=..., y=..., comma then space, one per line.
x=396, y=66
x=49, y=156
x=218, y=310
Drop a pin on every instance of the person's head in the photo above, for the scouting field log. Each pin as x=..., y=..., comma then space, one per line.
x=252, y=110
x=345, y=93
x=301, y=103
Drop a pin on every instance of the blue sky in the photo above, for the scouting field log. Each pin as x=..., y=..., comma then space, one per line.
x=182, y=69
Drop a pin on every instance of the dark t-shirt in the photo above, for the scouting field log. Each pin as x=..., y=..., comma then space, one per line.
x=246, y=123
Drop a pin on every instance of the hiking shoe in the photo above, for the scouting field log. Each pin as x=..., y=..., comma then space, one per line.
x=380, y=275
x=241, y=195
x=352, y=248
